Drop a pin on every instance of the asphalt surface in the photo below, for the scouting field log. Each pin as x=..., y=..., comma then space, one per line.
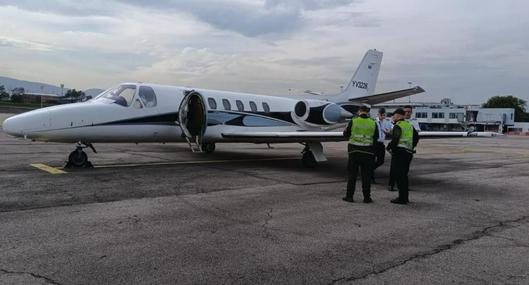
x=159, y=214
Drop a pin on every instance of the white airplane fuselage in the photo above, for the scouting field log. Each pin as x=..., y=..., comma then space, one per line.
x=101, y=120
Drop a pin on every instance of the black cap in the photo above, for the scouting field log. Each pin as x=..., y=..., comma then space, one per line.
x=382, y=111
x=399, y=111
x=364, y=108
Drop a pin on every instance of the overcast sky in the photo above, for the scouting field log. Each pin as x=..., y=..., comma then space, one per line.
x=465, y=50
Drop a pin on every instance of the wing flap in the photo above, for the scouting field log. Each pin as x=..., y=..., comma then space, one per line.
x=284, y=137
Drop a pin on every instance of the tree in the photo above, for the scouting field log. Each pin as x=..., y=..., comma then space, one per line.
x=509, y=102
x=18, y=91
x=17, y=95
x=74, y=95
x=3, y=93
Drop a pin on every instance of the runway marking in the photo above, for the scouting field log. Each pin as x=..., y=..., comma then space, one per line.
x=47, y=168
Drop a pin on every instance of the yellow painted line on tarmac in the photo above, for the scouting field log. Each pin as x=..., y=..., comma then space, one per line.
x=47, y=168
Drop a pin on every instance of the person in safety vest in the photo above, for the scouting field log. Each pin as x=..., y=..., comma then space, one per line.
x=401, y=147
x=362, y=132
x=408, y=110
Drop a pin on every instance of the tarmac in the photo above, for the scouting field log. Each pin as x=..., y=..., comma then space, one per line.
x=246, y=214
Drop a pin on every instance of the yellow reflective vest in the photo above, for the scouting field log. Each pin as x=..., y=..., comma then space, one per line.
x=406, y=135
x=362, y=131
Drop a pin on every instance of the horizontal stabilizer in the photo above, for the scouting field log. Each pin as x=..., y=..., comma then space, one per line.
x=384, y=97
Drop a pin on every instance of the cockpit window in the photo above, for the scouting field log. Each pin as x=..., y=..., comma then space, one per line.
x=147, y=96
x=121, y=95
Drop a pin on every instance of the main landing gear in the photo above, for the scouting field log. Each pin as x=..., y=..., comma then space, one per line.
x=208, y=147
x=78, y=158
x=312, y=154
x=307, y=158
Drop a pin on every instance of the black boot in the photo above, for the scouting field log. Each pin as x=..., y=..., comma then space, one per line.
x=348, y=199
x=399, y=201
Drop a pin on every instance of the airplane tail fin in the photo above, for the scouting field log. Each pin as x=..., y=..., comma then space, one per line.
x=364, y=80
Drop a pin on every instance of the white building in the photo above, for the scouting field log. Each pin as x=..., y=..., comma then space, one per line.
x=447, y=116
x=519, y=128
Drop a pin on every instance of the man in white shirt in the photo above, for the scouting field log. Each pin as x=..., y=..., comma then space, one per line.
x=408, y=110
x=384, y=128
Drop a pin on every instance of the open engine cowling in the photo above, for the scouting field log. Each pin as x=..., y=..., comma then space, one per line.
x=317, y=113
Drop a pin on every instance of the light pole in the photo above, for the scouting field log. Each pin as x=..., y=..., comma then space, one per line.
x=409, y=97
x=41, y=92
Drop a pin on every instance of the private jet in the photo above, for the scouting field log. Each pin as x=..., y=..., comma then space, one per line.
x=143, y=112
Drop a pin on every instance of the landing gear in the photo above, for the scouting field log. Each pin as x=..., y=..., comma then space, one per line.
x=312, y=154
x=78, y=158
x=308, y=159
x=208, y=147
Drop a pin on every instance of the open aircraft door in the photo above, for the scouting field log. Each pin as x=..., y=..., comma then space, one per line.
x=193, y=118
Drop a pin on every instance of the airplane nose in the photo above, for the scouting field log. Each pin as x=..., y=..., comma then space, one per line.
x=10, y=127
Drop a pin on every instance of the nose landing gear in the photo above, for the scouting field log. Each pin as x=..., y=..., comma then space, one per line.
x=78, y=158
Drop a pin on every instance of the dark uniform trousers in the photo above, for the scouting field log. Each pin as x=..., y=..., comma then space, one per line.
x=392, y=172
x=400, y=166
x=363, y=162
x=380, y=154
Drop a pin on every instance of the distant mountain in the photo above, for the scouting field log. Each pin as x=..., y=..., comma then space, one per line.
x=30, y=87
x=38, y=87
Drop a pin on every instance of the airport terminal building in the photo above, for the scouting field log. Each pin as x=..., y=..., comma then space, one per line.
x=447, y=116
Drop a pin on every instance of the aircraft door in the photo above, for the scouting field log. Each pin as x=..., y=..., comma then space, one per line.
x=192, y=116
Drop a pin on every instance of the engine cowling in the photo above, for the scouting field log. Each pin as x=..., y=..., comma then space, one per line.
x=319, y=113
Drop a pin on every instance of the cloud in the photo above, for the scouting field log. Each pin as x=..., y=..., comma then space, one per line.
x=31, y=45
x=62, y=7
x=249, y=18
x=270, y=46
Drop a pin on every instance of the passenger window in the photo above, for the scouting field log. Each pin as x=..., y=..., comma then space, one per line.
x=212, y=103
x=266, y=108
x=240, y=105
x=227, y=105
x=253, y=106
x=147, y=96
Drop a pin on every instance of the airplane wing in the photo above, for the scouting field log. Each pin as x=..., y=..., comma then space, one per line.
x=307, y=136
x=284, y=137
x=424, y=134
x=384, y=97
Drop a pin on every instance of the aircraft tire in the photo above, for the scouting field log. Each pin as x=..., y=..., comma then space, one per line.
x=308, y=159
x=77, y=158
x=208, y=147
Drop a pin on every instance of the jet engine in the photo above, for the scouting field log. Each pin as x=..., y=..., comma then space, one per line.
x=318, y=113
